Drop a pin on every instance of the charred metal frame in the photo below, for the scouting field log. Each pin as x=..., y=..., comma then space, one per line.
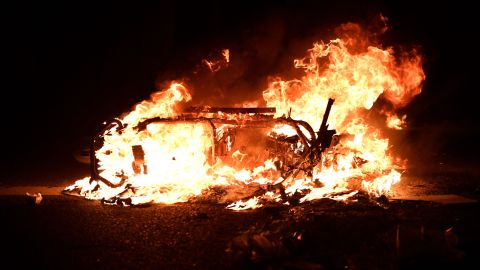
x=313, y=147
x=95, y=175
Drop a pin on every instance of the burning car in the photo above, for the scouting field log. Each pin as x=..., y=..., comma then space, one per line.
x=165, y=152
x=244, y=132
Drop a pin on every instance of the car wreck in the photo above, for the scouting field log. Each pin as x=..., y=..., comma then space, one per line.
x=248, y=131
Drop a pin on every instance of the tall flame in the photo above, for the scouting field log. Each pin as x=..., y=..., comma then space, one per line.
x=355, y=81
x=178, y=158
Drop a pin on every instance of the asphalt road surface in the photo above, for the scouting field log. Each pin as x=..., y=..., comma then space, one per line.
x=65, y=232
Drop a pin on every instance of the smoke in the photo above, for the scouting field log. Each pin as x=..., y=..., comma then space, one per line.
x=256, y=54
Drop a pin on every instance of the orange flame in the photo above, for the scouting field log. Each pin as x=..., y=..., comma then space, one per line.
x=179, y=154
x=226, y=55
x=216, y=65
x=395, y=122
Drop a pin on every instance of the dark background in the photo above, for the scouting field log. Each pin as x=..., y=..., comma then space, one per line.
x=73, y=65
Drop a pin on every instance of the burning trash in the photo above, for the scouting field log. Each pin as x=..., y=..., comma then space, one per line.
x=311, y=139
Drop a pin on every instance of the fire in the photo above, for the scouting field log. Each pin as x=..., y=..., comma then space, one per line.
x=226, y=55
x=395, y=122
x=355, y=81
x=161, y=153
x=216, y=65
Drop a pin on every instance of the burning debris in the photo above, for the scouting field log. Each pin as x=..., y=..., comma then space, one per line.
x=35, y=197
x=166, y=152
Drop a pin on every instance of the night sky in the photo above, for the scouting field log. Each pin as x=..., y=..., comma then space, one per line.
x=73, y=65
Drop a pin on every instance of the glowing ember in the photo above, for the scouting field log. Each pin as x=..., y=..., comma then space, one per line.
x=162, y=153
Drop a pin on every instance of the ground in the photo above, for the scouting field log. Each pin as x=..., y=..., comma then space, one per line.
x=65, y=231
